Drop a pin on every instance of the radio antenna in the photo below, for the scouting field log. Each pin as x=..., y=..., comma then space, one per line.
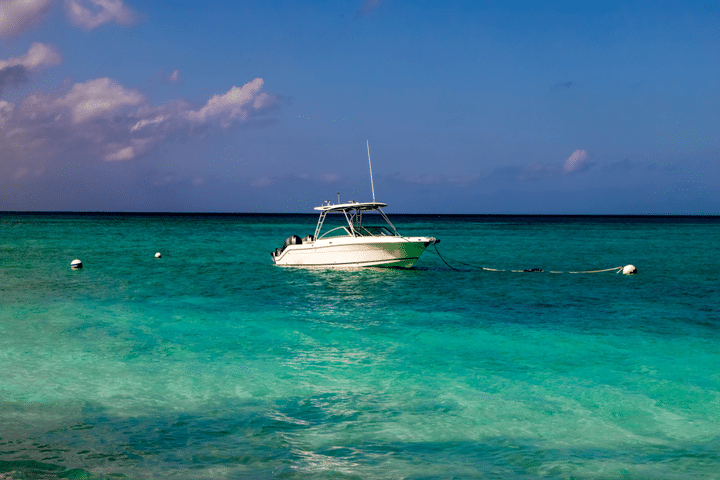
x=370, y=163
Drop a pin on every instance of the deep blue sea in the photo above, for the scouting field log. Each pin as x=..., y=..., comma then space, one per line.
x=212, y=363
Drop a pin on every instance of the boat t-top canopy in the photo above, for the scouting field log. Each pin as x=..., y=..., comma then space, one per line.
x=344, y=207
x=354, y=219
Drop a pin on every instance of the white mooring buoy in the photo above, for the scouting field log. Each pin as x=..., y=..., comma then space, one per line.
x=629, y=270
x=157, y=255
x=76, y=264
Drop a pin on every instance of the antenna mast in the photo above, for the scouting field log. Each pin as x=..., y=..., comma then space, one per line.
x=370, y=163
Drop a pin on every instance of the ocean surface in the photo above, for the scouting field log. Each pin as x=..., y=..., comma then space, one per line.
x=211, y=363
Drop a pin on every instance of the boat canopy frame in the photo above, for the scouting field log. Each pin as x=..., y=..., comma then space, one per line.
x=354, y=220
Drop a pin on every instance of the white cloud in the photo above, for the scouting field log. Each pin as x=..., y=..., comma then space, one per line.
x=576, y=162
x=39, y=55
x=90, y=14
x=97, y=97
x=136, y=147
x=16, y=15
x=235, y=103
x=144, y=123
x=103, y=120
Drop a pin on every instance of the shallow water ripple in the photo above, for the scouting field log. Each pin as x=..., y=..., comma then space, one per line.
x=211, y=363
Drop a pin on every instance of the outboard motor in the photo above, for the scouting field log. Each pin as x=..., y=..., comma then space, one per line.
x=292, y=240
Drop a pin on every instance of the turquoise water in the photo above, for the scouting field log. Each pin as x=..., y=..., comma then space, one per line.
x=212, y=363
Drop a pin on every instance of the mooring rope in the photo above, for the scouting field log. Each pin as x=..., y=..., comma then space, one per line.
x=619, y=269
x=527, y=270
x=441, y=257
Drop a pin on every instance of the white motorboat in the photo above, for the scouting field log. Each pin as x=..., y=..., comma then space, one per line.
x=354, y=244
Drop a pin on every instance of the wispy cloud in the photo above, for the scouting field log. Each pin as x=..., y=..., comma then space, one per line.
x=538, y=170
x=6, y=109
x=622, y=166
x=129, y=150
x=435, y=179
x=330, y=177
x=263, y=182
x=171, y=78
x=302, y=179
x=577, y=162
x=368, y=6
x=16, y=15
x=90, y=14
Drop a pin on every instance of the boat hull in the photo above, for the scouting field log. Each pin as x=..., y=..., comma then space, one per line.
x=348, y=252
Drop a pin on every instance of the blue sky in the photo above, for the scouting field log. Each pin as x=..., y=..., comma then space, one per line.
x=469, y=106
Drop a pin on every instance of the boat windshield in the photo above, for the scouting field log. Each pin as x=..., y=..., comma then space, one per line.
x=374, y=232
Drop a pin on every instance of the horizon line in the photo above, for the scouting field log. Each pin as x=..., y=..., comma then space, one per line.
x=209, y=213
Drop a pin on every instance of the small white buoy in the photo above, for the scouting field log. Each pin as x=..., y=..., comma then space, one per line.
x=76, y=264
x=157, y=255
x=629, y=270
